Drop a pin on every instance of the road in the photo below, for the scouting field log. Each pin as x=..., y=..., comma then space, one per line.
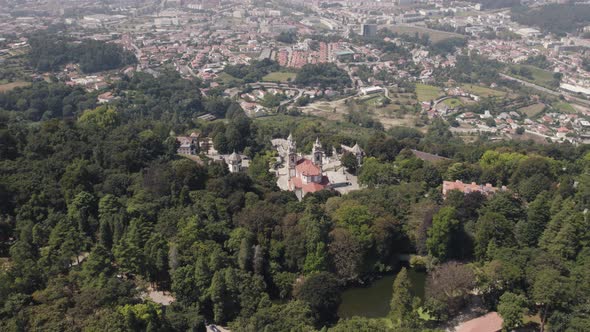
x=531, y=85
x=568, y=96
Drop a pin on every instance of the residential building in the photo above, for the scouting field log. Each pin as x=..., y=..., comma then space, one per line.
x=468, y=188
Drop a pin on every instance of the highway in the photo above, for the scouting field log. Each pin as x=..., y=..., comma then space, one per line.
x=567, y=96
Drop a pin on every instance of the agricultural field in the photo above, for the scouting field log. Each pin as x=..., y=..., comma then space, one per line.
x=399, y=112
x=482, y=91
x=9, y=86
x=426, y=92
x=279, y=77
x=564, y=107
x=539, y=76
x=14, y=68
x=532, y=110
x=435, y=35
x=226, y=79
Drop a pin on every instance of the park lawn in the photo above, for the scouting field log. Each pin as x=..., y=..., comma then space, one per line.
x=564, y=107
x=278, y=76
x=540, y=76
x=452, y=102
x=426, y=92
x=482, y=91
x=9, y=86
x=435, y=35
x=532, y=110
x=227, y=79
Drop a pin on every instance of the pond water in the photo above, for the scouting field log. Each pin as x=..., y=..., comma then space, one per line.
x=373, y=301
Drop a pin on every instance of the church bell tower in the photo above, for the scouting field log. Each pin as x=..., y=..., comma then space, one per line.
x=291, y=155
x=318, y=153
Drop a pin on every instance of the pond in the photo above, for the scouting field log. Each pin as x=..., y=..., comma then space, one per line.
x=373, y=301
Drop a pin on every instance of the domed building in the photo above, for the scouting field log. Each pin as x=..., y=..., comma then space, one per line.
x=234, y=162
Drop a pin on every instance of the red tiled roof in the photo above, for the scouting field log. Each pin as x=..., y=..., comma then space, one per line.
x=310, y=187
x=313, y=187
x=491, y=322
x=307, y=168
x=469, y=187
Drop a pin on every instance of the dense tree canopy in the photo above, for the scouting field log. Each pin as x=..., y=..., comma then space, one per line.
x=324, y=75
x=49, y=52
x=96, y=208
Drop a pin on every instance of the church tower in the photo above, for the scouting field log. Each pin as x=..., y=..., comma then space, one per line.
x=358, y=153
x=291, y=155
x=318, y=153
x=234, y=162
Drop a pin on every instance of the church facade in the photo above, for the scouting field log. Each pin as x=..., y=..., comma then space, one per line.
x=304, y=174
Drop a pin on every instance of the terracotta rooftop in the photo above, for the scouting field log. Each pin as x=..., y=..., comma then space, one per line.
x=307, y=168
x=467, y=188
x=310, y=187
x=490, y=322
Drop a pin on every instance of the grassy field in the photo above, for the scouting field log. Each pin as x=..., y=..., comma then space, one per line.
x=372, y=100
x=540, y=76
x=532, y=110
x=320, y=122
x=435, y=35
x=426, y=92
x=227, y=79
x=452, y=102
x=281, y=77
x=564, y=107
x=482, y=91
x=10, y=86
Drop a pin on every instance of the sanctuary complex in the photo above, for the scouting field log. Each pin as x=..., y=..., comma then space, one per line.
x=305, y=174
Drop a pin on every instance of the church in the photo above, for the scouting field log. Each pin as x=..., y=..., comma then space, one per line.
x=308, y=174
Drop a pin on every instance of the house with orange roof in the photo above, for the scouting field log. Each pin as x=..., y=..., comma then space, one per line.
x=468, y=188
x=490, y=322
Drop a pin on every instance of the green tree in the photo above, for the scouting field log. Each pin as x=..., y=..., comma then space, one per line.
x=316, y=260
x=566, y=232
x=530, y=230
x=374, y=173
x=322, y=293
x=512, y=308
x=98, y=266
x=550, y=290
x=129, y=253
x=245, y=254
x=156, y=258
x=102, y=117
x=64, y=246
x=402, y=311
x=492, y=228
x=445, y=228
x=82, y=209
x=219, y=297
x=350, y=162
x=292, y=316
